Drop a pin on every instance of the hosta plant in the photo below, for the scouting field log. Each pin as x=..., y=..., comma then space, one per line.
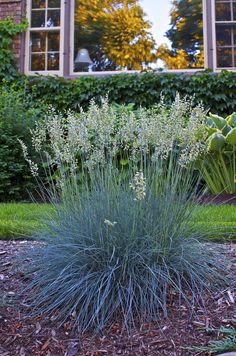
x=218, y=164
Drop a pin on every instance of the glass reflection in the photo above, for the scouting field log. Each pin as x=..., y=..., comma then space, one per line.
x=119, y=35
x=53, y=61
x=45, y=49
x=38, y=18
x=53, y=19
x=38, y=41
x=223, y=11
x=223, y=35
x=54, y=3
x=37, y=62
x=224, y=57
x=38, y=4
x=53, y=41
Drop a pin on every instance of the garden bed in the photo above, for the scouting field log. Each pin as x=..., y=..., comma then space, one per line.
x=41, y=336
x=220, y=199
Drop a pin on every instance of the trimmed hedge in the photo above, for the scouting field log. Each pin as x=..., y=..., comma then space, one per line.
x=216, y=91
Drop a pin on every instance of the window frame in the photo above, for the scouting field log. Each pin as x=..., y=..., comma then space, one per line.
x=30, y=29
x=214, y=23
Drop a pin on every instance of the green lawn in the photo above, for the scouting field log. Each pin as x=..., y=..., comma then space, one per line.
x=21, y=220
x=220, y=221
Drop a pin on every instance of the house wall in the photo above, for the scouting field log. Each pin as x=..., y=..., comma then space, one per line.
x=15, y=9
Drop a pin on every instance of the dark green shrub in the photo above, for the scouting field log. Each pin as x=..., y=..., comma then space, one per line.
x=216, y=91
x=18, y=115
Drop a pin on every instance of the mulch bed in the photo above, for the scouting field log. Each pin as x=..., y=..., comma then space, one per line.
x=220, y=199
x=23, y=337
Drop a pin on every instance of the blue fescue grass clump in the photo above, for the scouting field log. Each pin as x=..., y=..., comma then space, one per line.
x=114, y=251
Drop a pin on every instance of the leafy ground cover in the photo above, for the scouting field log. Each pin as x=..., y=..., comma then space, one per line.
x=174, y=336
x=20, y=220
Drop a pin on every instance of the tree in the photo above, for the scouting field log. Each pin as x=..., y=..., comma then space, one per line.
x=186, y=35
x=179, y=58
x=115, y=32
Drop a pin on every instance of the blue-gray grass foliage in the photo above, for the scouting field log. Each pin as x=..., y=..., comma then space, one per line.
x=120, y=248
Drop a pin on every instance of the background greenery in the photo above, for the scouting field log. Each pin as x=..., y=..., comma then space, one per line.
x=25, y=100
x=216, y=91
x=18, y=114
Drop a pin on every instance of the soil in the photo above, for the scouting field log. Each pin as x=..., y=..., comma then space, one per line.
x=41, y=336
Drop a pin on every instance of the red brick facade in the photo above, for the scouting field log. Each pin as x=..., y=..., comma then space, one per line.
x=14, y=9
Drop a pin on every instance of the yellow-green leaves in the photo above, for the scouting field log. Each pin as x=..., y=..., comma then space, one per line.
x=226, y=129
x=221, y=132
x=216, y=142
x=212, y=130
x=231, y=119
x=218, y=164
x=219, y=121
x=231, y=137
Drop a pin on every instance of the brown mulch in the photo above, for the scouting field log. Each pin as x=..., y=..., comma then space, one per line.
x=220, y=199
x=41, y=336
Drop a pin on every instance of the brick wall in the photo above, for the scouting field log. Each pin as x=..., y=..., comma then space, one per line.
x=13, y=8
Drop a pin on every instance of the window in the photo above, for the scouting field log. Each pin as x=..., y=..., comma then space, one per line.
x=73, y=37
x=44, y=36
x=225, y=34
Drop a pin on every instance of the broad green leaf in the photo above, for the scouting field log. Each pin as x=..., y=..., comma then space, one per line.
x=219, y=121
x=212, y=130
x=226, y=129
x=231, y=137
x=231, y=119
x=216, y=142
x=209, y=122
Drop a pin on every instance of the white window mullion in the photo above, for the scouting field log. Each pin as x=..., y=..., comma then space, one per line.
x=46, y=54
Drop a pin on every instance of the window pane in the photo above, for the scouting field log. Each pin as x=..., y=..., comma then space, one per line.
x=223, y=35
x=223, y=11
x=53, y=19
x=234, y=11
x=38, y=4
x=53, y=41
x=54, y=3
x=224, y=57
x=38, y=18
x=131, y=35
x=53, y=61
x=37, y=62
x=38, y=41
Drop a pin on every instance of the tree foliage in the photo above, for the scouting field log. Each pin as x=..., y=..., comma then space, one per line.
x=186, y=36
x=115, y=32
